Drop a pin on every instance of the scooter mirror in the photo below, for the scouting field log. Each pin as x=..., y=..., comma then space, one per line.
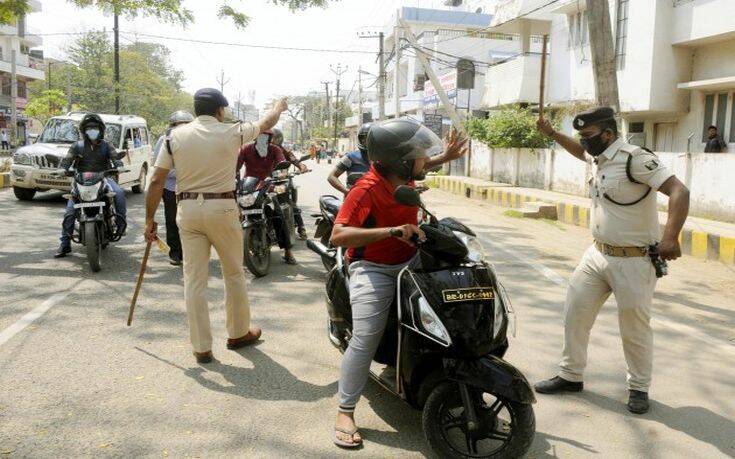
x=407, y=196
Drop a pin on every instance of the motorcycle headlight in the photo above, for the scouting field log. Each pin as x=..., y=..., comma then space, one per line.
x=431, y=323
x=475, y=250
x=22, y=159
x=247, y=200
x=280, y=189
x=90, y=192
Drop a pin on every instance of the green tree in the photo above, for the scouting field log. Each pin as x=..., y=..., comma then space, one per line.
x=172, y=11
x=512, y=127
x=49, y=103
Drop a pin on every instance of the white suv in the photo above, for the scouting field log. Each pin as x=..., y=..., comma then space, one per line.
x=36, y=167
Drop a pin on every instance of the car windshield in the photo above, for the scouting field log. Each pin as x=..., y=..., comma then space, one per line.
x=67, y=131
x=60, y=131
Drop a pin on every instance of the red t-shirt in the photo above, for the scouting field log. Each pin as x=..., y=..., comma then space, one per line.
x=258, y=167
x=370, y=204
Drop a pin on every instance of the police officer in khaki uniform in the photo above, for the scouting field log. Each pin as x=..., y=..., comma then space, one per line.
x=624, y=223
x=204, y=153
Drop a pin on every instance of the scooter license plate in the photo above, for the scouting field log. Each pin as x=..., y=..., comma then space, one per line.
x=84, y=205
x=252, y=212
x=459, y=295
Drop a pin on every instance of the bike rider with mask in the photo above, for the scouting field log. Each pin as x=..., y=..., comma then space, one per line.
x=290, y=156
x=355, y=162
x=380, y=236
x=260, y=159
x=91, y=154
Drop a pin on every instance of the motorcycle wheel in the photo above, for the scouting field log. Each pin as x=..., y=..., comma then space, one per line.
x=326, y=261
x=506, y=428
x=257, y=254
x=92, y=244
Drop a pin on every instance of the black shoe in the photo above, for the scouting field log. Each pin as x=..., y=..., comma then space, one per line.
x=558, y=384
x=638, y=402
x=176, y=262
x=63, y=251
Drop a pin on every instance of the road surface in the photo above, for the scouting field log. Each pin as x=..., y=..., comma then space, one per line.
x=77, y=382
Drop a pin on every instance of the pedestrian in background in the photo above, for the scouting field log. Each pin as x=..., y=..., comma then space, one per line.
x=173, y=239
x=4, y=140
x=714, y=144
x=205, y=155
x=625, y=226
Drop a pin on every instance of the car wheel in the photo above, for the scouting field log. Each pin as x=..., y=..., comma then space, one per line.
x=24, y=194
x=140, y=187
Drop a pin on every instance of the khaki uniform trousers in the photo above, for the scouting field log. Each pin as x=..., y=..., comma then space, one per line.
x=203, y=224
x=632, y=280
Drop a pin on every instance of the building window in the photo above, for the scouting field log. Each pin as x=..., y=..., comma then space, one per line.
x=578, y=30
x=709, y=107
x=716, y=114
x=621, y=34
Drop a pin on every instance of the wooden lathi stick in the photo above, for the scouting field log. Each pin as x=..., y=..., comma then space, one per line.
x=140, y=282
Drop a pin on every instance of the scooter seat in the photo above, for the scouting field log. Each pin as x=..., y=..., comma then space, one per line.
x=330, y=203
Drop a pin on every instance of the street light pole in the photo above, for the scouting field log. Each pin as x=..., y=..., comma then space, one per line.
x=338, y=72
x=117, y=63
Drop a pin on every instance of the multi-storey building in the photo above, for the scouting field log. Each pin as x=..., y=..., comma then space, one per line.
x=675, y=65
x=29, y=67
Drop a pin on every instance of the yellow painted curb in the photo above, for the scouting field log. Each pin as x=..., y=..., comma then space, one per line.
x=584, y=217
x=727, y=250
x=5, y=180
x=699, y=244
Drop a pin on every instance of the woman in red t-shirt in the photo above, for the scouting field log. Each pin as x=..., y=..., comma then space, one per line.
x=378, y=233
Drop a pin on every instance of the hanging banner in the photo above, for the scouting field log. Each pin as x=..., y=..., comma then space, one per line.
x=448, y=82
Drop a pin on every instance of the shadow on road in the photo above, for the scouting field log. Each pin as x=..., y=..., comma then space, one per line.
x=696, y=421
x=267, y=380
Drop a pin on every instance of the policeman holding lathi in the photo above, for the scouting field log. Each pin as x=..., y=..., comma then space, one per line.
x=626, y=231
x=204, y=153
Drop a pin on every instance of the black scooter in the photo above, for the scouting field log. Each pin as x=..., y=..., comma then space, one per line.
x=442, y=350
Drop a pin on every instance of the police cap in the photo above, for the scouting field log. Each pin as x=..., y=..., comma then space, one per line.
x=593, y=116
x=212, y=96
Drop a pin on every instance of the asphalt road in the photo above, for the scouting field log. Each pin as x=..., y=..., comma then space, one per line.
x=77, y=382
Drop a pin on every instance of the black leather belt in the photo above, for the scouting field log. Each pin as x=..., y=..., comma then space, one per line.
x=206, y=196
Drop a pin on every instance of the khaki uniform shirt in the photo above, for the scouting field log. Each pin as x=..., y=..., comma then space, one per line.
x=626, y=226
x=205, y=154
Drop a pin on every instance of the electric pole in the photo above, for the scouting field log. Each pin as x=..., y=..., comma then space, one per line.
x=602, y=46
x=397, y=70
x=329, y=113
x=360, y=118
x=117, y=62
x=13, y=94
x=338, y=73
x=221, y=81
x=381, y=71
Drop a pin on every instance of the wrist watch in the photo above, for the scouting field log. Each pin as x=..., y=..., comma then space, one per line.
x=395, y=232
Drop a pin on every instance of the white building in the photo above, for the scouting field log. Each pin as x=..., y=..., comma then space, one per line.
x=18, y=37
x=675, y=60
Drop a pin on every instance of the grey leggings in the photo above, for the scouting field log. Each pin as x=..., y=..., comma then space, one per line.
x=372, y=290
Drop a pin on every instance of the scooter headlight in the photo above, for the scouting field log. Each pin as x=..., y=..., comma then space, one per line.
x=89, y=192
x=247, y=200
x=431, y=323
x=475, y=250
x=280, y=189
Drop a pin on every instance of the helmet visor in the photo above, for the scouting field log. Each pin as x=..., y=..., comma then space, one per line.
x=424, y=144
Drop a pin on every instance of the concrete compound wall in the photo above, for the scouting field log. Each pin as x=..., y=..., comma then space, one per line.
x=708, y=176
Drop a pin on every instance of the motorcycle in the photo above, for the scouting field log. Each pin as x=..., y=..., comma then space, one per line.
x=329, y=206
x=261, y=203
x=96, y=223
x=443, y=346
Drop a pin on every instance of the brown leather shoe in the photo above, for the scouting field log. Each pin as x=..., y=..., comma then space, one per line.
x=204, y=357
x=252, y=337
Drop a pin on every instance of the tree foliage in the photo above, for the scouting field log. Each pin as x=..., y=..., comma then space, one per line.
x=172, y=11
x=312, y=109
x=150, y=87
x=47, y=104
x=512, y=127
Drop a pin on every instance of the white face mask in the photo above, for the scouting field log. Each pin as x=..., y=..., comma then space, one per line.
x=93, y=134
x=261, y=145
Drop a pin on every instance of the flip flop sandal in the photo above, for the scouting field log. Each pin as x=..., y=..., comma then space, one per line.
x=343, y=443
x=290, y=260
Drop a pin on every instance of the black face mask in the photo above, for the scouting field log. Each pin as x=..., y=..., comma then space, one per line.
x=594, y=145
